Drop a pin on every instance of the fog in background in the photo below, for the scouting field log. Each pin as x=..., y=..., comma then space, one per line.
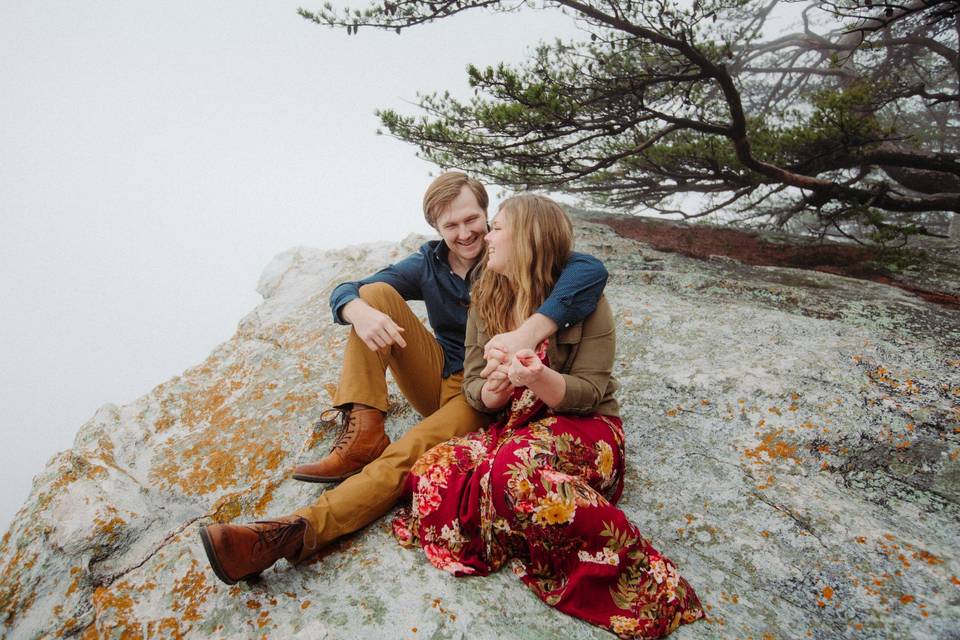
x=156, y=156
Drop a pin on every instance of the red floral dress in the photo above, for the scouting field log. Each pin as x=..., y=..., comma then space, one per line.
x=540, y=488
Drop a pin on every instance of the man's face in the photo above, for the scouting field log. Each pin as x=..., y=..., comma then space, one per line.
x=462, y=226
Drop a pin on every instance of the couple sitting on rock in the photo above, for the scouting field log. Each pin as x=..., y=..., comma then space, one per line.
x=520, y=453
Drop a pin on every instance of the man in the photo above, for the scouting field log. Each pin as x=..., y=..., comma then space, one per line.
x=428, y=369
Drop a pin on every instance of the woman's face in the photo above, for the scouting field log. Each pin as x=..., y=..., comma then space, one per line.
x=500, y=244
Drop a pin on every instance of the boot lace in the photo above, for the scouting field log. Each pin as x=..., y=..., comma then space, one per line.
x=274, y=533
x=348, y=425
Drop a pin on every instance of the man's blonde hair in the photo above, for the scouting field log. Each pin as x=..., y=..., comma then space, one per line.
x=445, y=189
x=542, y=238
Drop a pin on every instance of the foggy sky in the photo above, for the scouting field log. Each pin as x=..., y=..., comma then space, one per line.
x=156, y=156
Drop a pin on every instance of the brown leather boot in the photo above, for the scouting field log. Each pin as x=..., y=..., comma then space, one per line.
x=360, y=441
x=240, y=552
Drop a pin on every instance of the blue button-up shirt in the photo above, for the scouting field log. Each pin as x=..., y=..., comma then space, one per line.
x=426, y=275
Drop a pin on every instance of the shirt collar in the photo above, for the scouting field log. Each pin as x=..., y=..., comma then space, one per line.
x=441, y=251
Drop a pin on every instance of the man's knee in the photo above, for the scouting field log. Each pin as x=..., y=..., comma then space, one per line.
x=379, y=295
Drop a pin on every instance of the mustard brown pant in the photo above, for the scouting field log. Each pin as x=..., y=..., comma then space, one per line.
x=417, y=370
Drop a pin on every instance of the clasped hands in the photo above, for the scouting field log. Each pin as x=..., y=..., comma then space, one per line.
x=509, y=364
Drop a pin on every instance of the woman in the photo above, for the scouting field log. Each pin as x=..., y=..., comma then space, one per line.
x=539, y=484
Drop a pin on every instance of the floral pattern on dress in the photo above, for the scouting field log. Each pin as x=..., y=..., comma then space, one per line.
x=540, y=488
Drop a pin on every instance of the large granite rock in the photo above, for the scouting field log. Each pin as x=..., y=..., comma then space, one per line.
x=793, y=443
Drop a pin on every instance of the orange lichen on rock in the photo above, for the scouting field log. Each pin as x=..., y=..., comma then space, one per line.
x=331, y=390
x=227, y=508
x=118, y=599
x=219, y=460
x=76, y=573
x=164, y=422
x=216, y=469
x=73, y=467
x=771, y=480
x=210, y=403
x=200, y=405
x=304, y=370
x=772, y=448
x=110, y=529
x=189, y=592
x=299, y=403
x=15, y=599
x=69, y=625
x=927, y=557
x=266, y=498
x=316, y=436
x=880, y=374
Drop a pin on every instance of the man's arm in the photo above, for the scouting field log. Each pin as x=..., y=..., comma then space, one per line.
x=573, y=298
x=375, y=328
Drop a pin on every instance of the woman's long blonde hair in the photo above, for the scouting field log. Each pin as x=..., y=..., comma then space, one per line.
x=542, y=238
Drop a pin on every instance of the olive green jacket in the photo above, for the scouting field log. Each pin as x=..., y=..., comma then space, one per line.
x=583, y=353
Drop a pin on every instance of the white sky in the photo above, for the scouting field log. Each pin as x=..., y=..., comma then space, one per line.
x=155, y=156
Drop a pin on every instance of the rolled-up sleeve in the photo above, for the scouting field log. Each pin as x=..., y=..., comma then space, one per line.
x=404, y=276
x=577, y=291
x=589, y=374
x=473, y=364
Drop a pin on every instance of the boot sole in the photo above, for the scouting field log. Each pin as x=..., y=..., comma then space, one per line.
x=308, y=478
x=305, y=478
x=215, y=564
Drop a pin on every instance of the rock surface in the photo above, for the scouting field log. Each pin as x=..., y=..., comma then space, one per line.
x=793, y=444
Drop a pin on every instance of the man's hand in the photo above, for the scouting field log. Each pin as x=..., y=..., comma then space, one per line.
x=375, y=328
x=500, y=348
x=525, y=368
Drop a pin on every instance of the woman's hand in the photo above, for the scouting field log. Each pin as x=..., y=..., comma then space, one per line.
x=498, y=380
x=497, y=389
x=526, y=369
